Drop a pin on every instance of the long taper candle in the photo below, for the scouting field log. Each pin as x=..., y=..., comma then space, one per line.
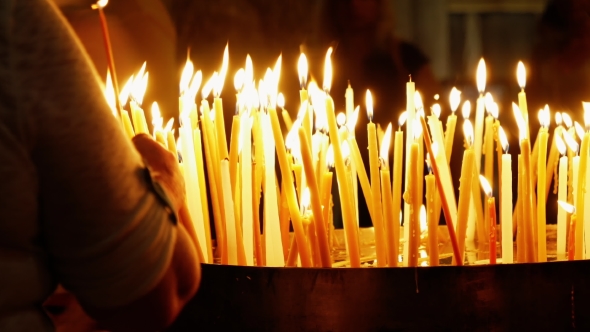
x=541, y=183
x=491, y=211
x=506, y=200
x=561, y=196
x=465, y=188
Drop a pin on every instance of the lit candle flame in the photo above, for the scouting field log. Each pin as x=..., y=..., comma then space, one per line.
x=417, y=129
x=384, y=150
x=558, y=119
x=292, y=140
x=126, y=92
x=488, y=101
x=418, y=104
x=570, y=141
x=466, y=109
x=277, y=70
x=586, y=106
x=567, y=120
x=579, y=130
x=345, y=150
x=503, y=139
x=369, y=105
x=330, y=157
x=560, y=144
x=206, y=90
x=157, y=119
x=485, y=186
x=402, y=118
x=455, y=99
x=281, y=100
x=566, y=207
x=262, y=94
x=481, y=76
x=352, y=120
x=249, y=69
x=436, y=110
x=468, y=131
x=100, y=4
x=302, y=70
x=545, y=117
x=221, y=77
x=195, y=85
x=305, y=201
x=139, y=87
x=340, y=119
x=423, y=224
x=521, y=75
x=494, y=110
x=519, y=121
x=239, y=79
x=186, y=75
x=302, y=110
x=328, y=71
x=169, y=125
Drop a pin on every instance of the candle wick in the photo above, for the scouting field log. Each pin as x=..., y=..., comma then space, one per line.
x=410, y=76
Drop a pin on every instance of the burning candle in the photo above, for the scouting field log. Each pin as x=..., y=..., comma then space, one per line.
x=412, y=199
x=389, y=242
x=218, y=106
x=491, y=204
x=506, y=200
x=411, y=115
x=246, y=187
x=479, y=113
x=561, y=196
x=572, y=238
x=351, y=229
x=527, y=201
x=455, y=98
x=522, y=103
x=303, y=73
x=465, y=188
x=541, y=183
x=377, y=215
x=431, y=220
x=230, y=221
x=553, y=153
x=398, y=150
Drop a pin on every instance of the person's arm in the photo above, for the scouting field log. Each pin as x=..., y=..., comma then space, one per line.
x=110, y=239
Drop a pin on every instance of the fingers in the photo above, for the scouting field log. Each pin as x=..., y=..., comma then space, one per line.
x=154, y=154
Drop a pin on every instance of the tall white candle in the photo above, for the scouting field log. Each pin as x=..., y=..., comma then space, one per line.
x=230, y=220
x=247, y=212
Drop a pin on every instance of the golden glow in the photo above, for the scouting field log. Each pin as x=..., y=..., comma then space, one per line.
x=544, y=117
x=417, y=129
x=369, y=105
x=418, y=101
x=423, y=224
x=126, y=92
x=186, y=75
x=579, y=130
x=139, y=86
x=157, y=119
x=169, y=125
x=352, y=120
x=586, y=106
x=277, y=71
x=345, y=150
x=206, y=90
x=560, y=144
x=302, y=70
x=566, y=207
x=305, y=200
x=485, y=186
x=281, y=100
x=328, y=71
x=100, y=4
x=341, y=119
x=249, y=75
x=239, y=79
x=521, y=75
x=195, y=85
x=567, y=120
x=558, y=119
x=455, y=99
x=402, y=118
x=436, y=110
x=519, y=121
x=503, y=139
x=384, y=149
x=466, y=109
x=481, y=76
x=570, y=142
x=468, y=132
x=330, y=157
x=218, y=85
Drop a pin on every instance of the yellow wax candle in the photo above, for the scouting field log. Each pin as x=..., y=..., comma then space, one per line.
x=455, y=99
x=491, y=212
x=489, y=149
x=246, y=189
x=386, y=199
x=525, y=149
x=316, y=206
x=432, y=221
x=230, y=222
x=349, y=98
x=467, y=170
x=220, y=129
x=398, y=150
x=479, y=114
x=411, y=197
x=377, y=215
x=171, y=143
x=506, y=199
x=203, y=189
x=541, y=184
x=272, y=233
x=580, y=197
x=284, y=221
x=349, y=221
x=520, y=242
x=288, y=181
x=561, y=196
x=552, y=161
x=159, y=137
x=233, y=155
x=127, y=124
x=362, y=173
x=411, y=115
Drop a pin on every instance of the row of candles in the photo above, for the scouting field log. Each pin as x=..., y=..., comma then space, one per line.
x=319, y=142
